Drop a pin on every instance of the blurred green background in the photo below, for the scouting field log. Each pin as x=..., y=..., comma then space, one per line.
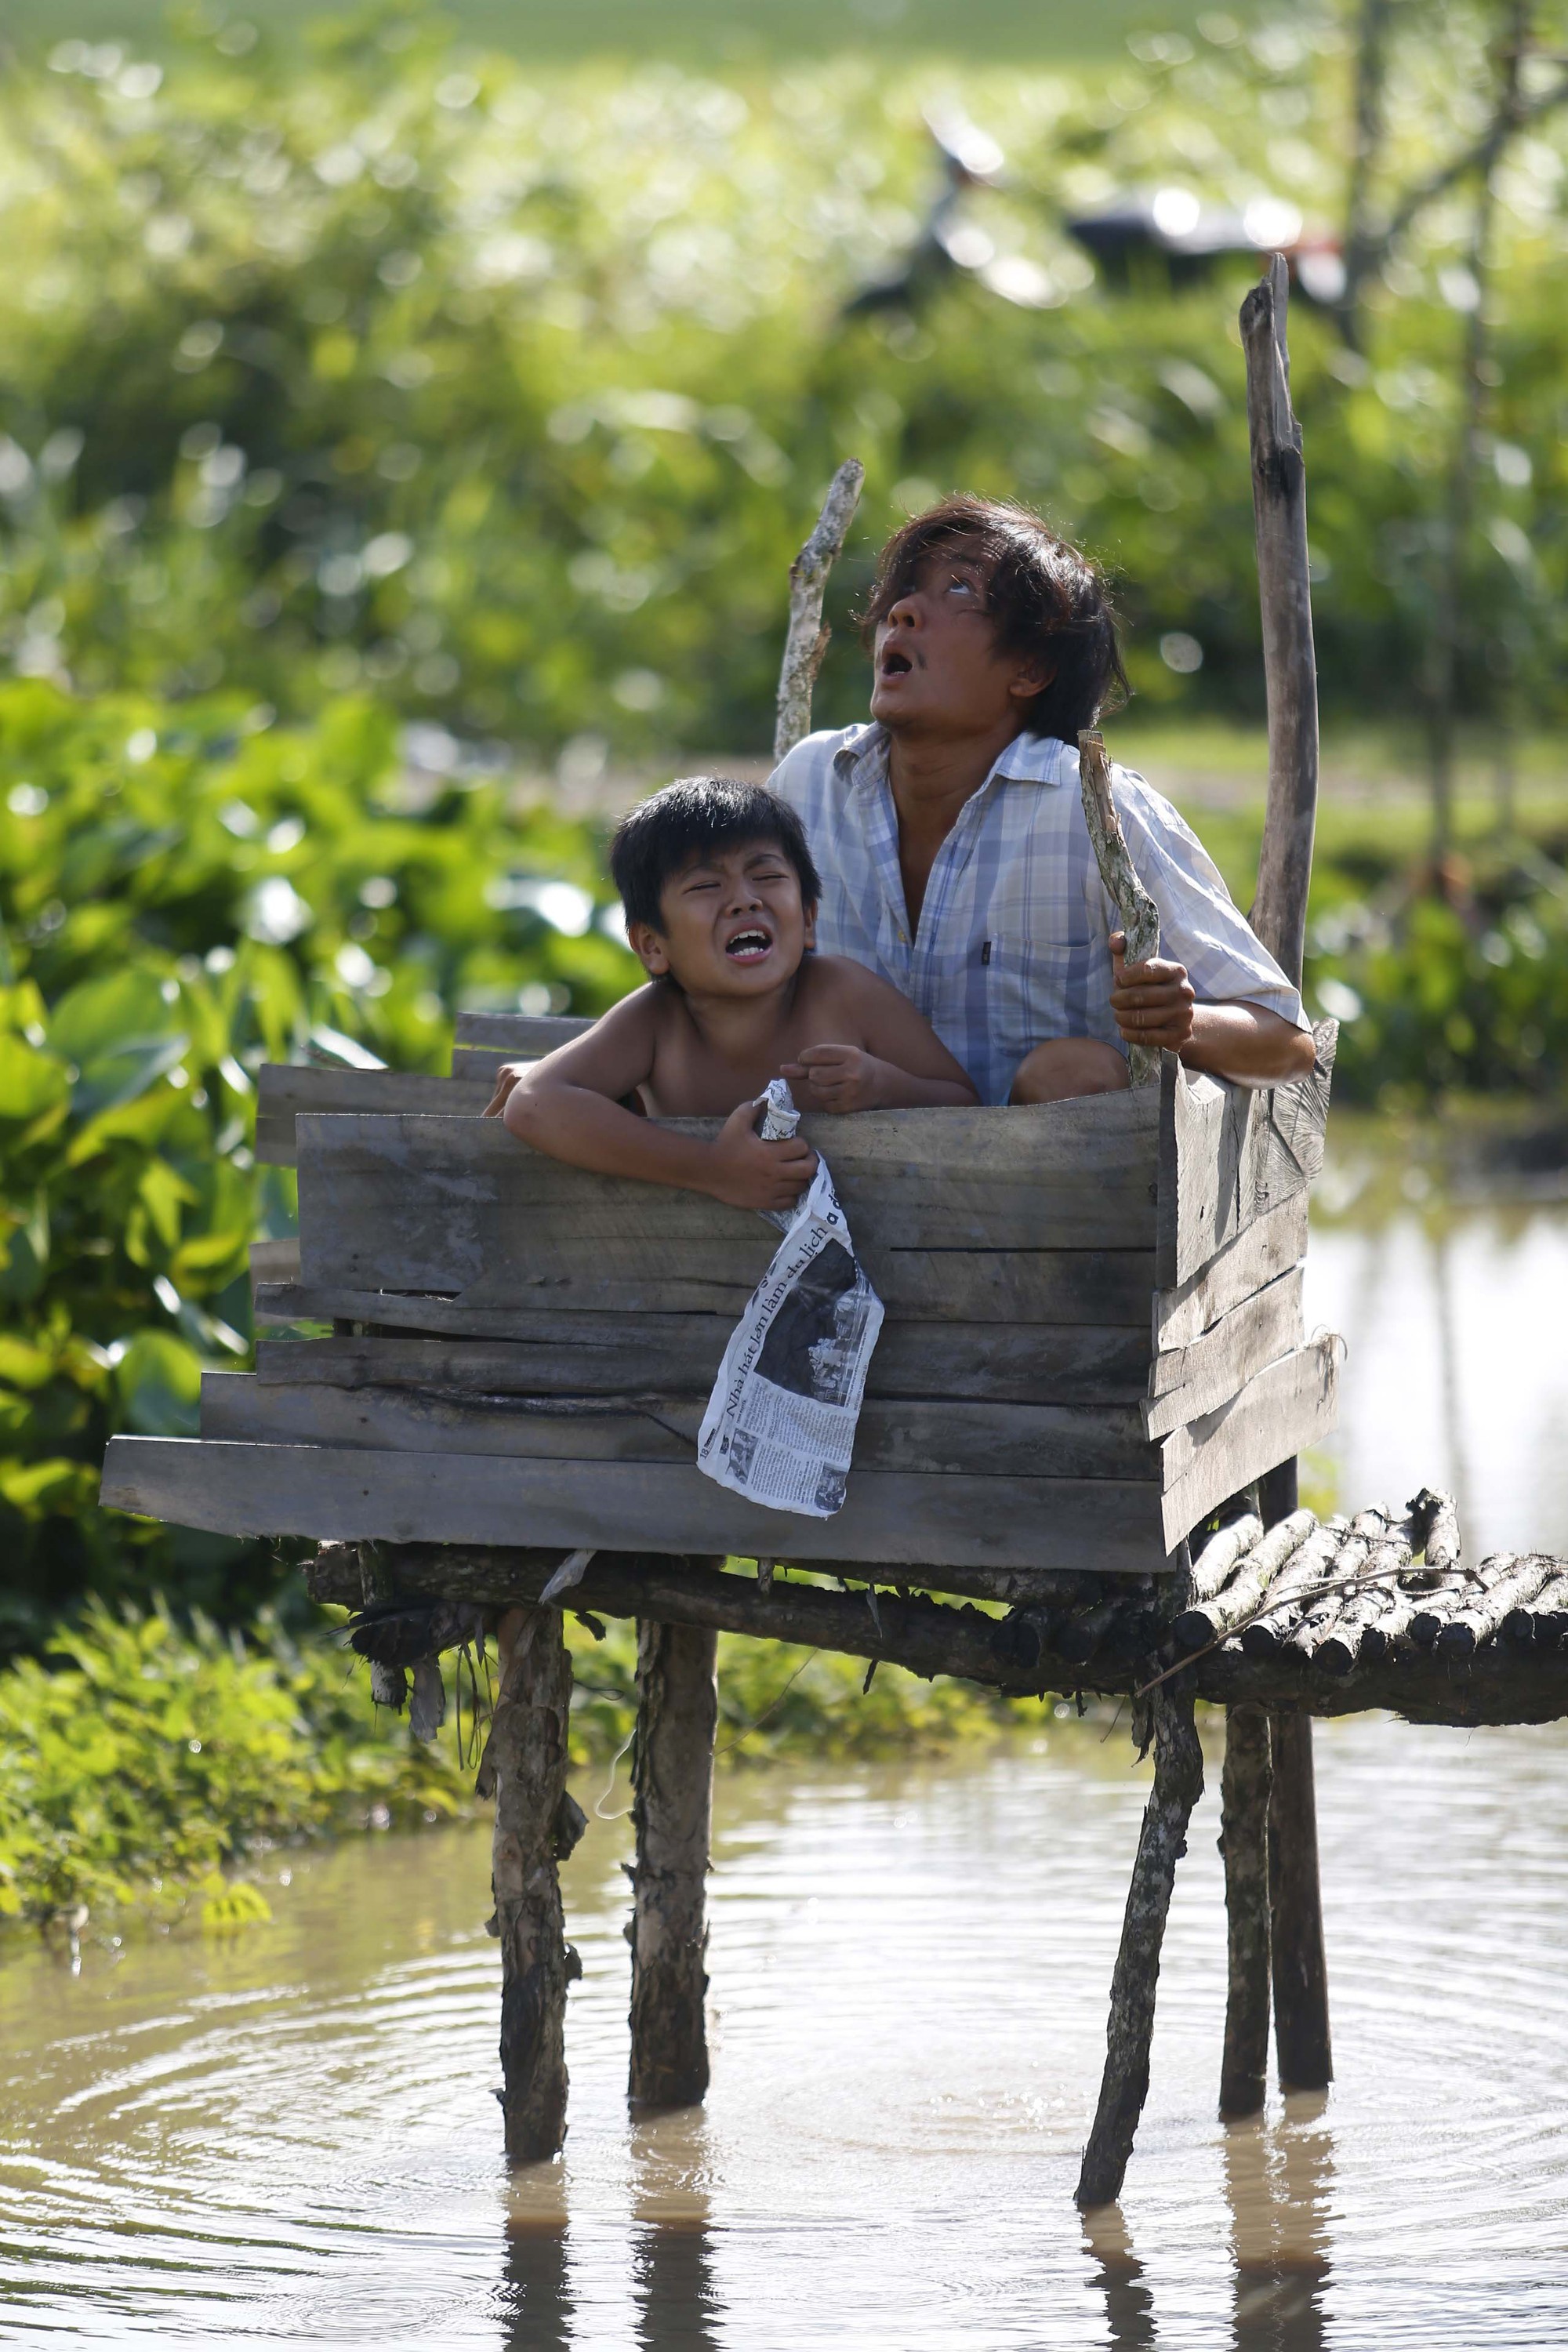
x=406, y=424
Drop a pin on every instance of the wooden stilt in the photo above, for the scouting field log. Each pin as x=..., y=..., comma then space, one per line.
x=525, y=1764
x=1300, y=1965
x=676, y=1716
x=1244, y=1842
x=1301, y=2042
x=1161, y=1842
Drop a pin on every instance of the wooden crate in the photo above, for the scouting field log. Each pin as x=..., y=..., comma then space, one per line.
x=1093, y=1331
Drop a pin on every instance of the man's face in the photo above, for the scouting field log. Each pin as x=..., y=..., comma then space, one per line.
x=732, y=923
x=938, y=668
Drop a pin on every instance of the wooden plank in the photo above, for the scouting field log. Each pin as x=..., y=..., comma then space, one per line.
x=933, y=1438
x=286, y=1089
x=604, y=1354
x=1245, y=1266
x=515, y=1033
x=273, y=1262
x=890, y=1518
x=1290, y=1404
x=1187, y=1381
x=1065, y=1287
x=1230, y=1154
x=480, y=1063
x=1069, y=1176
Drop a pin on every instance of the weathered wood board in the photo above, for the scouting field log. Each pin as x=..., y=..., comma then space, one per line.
x=1290, y=1404
x=1246, y=1265
x=892, y=1518
x=1098, y=1288
x=933, y=1439
x=286, y=1089
x=1018, y=1363
x=1186, y=1381
x=1230, y=1154
x=514, y=1034
x=1065, y=1176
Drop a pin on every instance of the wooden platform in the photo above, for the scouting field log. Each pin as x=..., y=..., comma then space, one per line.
x=1094, y=1331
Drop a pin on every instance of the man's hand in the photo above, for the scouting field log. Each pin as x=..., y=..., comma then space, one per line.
x=838, y=1077
x=1153, y=1002
x=751, y=1174
x=507, y=1078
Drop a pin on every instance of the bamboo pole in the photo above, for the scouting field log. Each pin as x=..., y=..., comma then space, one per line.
x=1244, y=1842
x=525, y=1764
x=1162, y=1840
x=806, y=639
x=1298, y=1962
x=1211, y=1620
x=1139, y=913
x=678, y=1713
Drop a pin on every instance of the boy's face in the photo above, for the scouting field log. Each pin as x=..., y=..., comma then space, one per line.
x=938, y=670
x=732, y=923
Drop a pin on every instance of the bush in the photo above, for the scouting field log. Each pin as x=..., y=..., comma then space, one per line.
x=184, y=893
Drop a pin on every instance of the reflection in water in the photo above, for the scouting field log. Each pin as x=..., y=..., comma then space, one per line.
x=1277, y=2178
x=1129, y=2305
x=678, y=2307
x=535, y=2307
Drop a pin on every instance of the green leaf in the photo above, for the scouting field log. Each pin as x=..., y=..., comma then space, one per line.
x=160, y=1382
x=31, y=1082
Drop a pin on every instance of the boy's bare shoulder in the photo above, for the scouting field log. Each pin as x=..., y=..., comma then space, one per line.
x=843, y=981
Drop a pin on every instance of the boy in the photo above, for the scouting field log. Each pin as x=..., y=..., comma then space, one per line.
x=721, y=897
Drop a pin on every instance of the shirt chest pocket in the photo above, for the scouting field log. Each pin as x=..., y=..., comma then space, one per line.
x=1031, y=989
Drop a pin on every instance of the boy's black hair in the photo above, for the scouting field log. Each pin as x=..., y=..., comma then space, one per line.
x=1043, y=596
x=692, y=818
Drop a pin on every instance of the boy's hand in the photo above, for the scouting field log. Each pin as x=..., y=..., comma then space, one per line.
x=1153, y=1002
x=838, y=1077
x=507, y=1078
x=751, y=1174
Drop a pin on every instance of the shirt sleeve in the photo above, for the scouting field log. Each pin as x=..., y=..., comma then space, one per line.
x=1200, y=924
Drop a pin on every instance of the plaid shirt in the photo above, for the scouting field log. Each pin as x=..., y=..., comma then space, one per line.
x=1013, y=944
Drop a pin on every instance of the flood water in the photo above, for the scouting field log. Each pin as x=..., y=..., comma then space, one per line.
x=290, y=2136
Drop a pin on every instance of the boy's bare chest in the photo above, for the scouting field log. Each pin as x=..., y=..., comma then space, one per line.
x=692, y=1078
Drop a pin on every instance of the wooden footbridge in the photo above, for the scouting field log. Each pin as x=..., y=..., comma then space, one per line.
x=1085, y=1406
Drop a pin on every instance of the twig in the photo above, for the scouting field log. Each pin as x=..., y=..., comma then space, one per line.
x=1139, y=916
x=806, y=640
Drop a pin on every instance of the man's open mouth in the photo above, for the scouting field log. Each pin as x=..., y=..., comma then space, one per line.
x=748, y=947
x=894, y=665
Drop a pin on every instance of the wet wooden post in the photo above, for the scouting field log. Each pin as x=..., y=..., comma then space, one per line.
x=678, y=1713
x=524, y=1766
x=1244, y=1842
x=1161, y=1842
x=1280, y=918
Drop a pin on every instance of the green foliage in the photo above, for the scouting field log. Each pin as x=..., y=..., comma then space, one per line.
x=142, y=1759
x=184, y=893
x=507, y=391
x=778, y=1700
x=1436, y=996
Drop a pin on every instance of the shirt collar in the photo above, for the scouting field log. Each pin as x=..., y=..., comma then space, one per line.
x=1028, y=759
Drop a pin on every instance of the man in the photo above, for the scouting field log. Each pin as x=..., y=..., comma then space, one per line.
x=950, y=837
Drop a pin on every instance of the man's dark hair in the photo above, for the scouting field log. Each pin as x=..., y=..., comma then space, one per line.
x=692, y=818
x=1042, y=595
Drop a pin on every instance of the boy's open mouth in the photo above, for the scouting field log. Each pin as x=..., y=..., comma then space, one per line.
x=748, y=946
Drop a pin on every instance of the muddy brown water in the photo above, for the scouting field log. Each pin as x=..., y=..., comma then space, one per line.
x=289, y=2136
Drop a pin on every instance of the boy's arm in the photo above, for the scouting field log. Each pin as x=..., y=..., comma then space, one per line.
x=900, y=1063
x=568, y=1106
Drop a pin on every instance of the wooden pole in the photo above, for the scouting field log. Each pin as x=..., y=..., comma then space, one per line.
x=678, y=1713
x=1161, y=1842
x=1244, y=1842
x=806, y=640
x=1279, y=920
x=1299, y=1964
x=524, y=1764
x=1289, y=663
